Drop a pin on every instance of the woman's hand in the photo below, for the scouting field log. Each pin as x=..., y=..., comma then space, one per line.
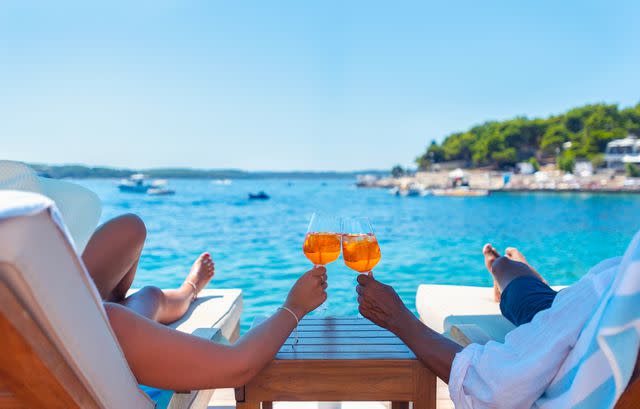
x=380, y=303
x=308, y=293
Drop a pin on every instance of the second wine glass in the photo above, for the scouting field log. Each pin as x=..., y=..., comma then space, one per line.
x=360, y=249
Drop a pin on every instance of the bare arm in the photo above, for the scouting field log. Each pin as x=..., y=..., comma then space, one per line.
x=165, y=358
x=432, y=349
x=380, y=304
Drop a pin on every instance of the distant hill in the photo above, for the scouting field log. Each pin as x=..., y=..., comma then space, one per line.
x=83, y=172
x=504, y=143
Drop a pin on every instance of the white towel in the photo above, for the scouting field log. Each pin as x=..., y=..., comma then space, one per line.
x=599, y=367
x=14, y=203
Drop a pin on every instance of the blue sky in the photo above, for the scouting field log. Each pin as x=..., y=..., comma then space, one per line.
x=287, y=85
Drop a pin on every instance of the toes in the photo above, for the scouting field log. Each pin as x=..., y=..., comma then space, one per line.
x=205, y=266
x=209, y=266
x=489, y=250
x=515, y=254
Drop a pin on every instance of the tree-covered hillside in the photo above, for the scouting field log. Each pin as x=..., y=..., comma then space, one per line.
x=504, y=143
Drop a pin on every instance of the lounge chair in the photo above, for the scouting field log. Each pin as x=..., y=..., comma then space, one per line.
x=469, y=315
x=57, y=347
x=443, y=307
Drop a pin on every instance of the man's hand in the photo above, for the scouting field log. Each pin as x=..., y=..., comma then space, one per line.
x=381, y=304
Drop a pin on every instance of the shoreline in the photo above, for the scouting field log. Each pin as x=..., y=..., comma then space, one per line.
x=547, y=181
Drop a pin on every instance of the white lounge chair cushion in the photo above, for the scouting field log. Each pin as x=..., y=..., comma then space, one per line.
x=41, y=267
x=441, y=306
x=80, y=208
x=213, y=308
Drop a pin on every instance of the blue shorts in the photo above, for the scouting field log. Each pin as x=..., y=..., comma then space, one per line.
x=524, y=297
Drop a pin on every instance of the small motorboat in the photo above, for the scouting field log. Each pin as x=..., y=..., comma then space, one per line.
x=159, y=188
x=137, y=184
x=134, y=184
x=223, y=182
x=412, y=190
x=261, y=195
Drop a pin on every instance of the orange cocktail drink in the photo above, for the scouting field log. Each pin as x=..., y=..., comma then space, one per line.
x=321, y=248
x=360, y=252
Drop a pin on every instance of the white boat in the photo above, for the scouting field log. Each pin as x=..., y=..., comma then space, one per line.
x=412, y=190
x=366, y=180
x=137, y=184
x=159, y=188
x=223, y=182
x=134, y=184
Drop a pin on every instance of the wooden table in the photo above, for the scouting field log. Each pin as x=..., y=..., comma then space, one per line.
x=341, y=359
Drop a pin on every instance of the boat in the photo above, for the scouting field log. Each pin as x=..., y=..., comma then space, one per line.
x=137, y=183
x=261, y=195
x=159, y=188
x=412, y=190
x=134, y=184
x=223, y=182
x=366, y=180
x=459, y=186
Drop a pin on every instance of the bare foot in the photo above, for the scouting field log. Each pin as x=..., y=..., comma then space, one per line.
x=515, y=254
x=201, y=273
x=490, y=255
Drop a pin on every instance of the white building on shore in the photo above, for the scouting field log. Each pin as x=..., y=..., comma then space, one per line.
x=619, y=152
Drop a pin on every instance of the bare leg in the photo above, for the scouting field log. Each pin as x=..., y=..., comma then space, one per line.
x=112, y=256
x=491, y=255
x=515, y=254
x=166, y=306
x=504, y=269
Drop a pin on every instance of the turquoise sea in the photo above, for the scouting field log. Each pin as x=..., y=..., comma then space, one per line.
x=257, y=245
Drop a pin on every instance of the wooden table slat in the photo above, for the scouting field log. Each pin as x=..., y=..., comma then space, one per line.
x=355, y=328
x=344, y=334
x=343, y=355
x=342, y=348
x=346, y=341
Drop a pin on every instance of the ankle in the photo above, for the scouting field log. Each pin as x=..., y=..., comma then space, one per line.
x=187, y=290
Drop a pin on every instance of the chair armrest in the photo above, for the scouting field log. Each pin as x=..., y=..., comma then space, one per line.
x=207, y=333
x=213, y=334
x=465, y=334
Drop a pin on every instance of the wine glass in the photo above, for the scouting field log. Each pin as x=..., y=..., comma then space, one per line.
x=322, y=241
x=360, y=249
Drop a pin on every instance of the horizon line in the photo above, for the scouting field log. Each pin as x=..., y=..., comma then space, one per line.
x=198, y=169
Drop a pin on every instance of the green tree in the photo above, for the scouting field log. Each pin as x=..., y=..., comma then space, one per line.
x=435, y=152
x=397, y=171
x=553, y=138
x=505, y=157
x=632, y=170
x=534, y=162
x=567, y=160
x=589, y=128
x=597, y=160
